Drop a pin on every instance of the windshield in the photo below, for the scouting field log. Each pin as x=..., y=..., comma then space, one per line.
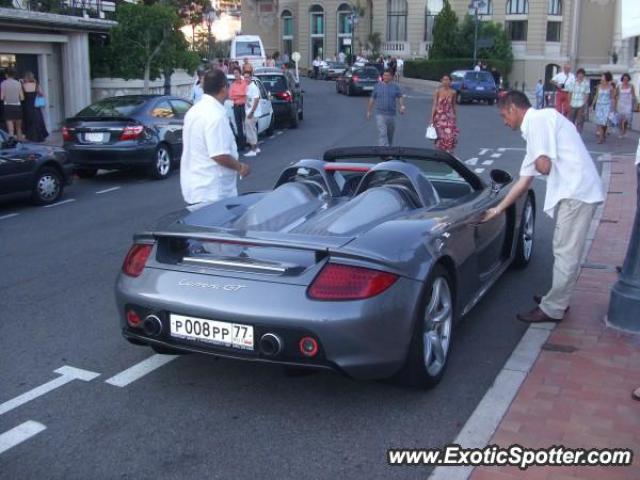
x=248, y=49
x=274, y=83
x=478, y=77
x=113, y=107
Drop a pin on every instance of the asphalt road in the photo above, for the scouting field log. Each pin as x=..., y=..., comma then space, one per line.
x=197, y=417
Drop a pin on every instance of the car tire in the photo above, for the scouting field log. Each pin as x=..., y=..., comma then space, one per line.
x=48, y=186
x=271, y=126
x=424, y=366
x=86, y=172
x=338, y=88
x=161, y=165
x=459, y=100
x=491, y=101
x=526, y=233
x=301, y=112
x=349, y=92
x=293, y=119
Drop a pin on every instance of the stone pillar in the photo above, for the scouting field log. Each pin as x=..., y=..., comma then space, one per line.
x=43, y=74
x=75, y=73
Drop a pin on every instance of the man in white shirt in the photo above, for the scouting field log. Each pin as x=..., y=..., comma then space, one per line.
x=209, y=165
x=564, y=81
x=342, y=57
x=574, y=190
x=252, y=113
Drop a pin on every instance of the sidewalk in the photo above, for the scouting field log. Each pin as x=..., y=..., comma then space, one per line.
x=577, y=393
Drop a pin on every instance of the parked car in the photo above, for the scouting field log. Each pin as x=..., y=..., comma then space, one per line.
x=357, y=80
x=471, y=85
x=350, y=263
x=127, y=131
x=286, y=94
x=332, y=70
x=264, y=112
x=249, y=47
x=32, y=170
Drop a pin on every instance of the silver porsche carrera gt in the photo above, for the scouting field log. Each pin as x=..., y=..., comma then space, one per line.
x=360, y=262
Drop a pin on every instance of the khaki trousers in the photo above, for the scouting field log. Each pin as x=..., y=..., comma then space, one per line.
x=251, y=130
x=573, y=219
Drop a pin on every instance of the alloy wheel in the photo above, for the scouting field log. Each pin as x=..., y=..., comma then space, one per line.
x=528, y=231
x=163, y=162
x=437, y=326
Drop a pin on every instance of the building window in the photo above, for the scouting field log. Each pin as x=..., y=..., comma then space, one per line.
x=316, y=16
x=555, y=7
x=345, y=29
x=553, y=31
x=517, y=30
x=485, y=7
x=397, y=20
x=517, y=7
x=636, y=46
x=432, y=10
x=287, y=32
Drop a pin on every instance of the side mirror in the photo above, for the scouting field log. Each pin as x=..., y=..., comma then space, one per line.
x=499, y=178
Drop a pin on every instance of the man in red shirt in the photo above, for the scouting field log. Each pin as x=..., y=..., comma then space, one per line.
x=238, y=95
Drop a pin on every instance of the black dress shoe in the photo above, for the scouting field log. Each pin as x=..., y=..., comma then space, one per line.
x=536, y=316
x=538, y=298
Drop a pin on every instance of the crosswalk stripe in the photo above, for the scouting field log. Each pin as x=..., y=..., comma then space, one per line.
x=139, y=370
x=19, y=434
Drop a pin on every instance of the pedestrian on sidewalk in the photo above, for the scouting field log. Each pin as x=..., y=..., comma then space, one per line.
x=385, y=95
x=251, y=115
x=12, y=95
x=443, y=116
x=35, y=129
x=196, y=92
x=238, y=95
x=247, y=66
x=316, y=64
x=563, y=82
x=579, y=97
x=625, y=100
x=574, y=190
x=539, y=95
x=603, y=102
x=209, y=165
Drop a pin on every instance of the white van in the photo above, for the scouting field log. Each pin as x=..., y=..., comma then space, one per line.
x=249, y=47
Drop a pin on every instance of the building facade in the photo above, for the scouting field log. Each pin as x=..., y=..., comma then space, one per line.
x=545, y=34
x=56, y=49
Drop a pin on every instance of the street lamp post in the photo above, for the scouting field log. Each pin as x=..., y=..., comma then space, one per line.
x=624, y=307
x=209, y=17
x=353, y=20
x=475, y=5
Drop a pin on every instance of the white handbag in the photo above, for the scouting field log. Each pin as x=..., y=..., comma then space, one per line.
x=431, y=132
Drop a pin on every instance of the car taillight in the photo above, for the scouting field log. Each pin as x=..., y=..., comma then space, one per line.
x=356, y=78
x=344, y=282
x=286, y=96
x=131, y=132
x=136, y=259
x=67, y=136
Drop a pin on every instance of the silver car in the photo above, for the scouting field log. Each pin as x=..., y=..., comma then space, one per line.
x=360, y=262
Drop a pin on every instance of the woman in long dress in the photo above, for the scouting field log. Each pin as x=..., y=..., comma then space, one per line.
x=626, y=97
x=33, y=121
x=443, y=116
x=602, y=104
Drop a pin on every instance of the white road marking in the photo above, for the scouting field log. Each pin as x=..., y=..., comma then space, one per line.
x=19, y=434
x=483, y=151
x=496, y=155
x=479, y=170
x=472, y=161
x=10, y=215
x=279, y=132
x=107, y=190
x=487, y=162
x=67, y=374
x=501, y=149
x=68, y=200
x=139, y=370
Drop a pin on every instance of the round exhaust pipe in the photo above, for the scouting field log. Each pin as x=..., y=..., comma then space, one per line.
x=271, y=344
x=152, y=326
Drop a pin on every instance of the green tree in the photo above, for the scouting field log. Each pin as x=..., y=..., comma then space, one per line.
x=489, y=33
x=146, y=42
x=445, y=34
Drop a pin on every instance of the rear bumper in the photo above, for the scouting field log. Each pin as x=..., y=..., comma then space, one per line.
x=282, y=110
x=363, y=339
x=108, y=156
x=362, y=88
x=477, y=95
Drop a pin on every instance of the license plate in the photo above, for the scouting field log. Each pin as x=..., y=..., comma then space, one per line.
x=94, y=137
x=367, y=88
x=479, y=88
x=225, y=334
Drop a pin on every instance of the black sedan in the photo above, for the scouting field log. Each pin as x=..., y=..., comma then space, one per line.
x=129, y=131
x=32, y=170
x=357, y=80
x=286, y=95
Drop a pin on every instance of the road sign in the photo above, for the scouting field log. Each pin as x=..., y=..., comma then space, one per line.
x=295, y=56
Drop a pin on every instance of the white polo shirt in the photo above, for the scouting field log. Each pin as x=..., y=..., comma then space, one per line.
x=573, y=174
x=253, y=92
x=207, y=134
x=564, y=78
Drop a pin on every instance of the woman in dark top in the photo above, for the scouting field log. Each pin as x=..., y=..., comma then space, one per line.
x=33, y=121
